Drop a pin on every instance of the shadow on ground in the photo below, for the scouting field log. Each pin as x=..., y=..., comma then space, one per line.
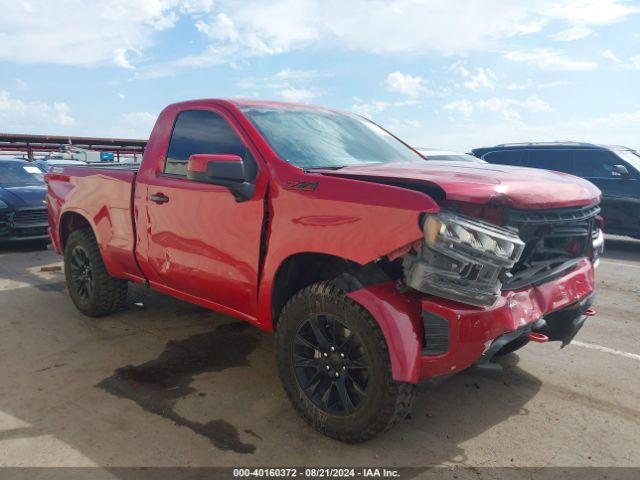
x=24, y=247
x=158, y=384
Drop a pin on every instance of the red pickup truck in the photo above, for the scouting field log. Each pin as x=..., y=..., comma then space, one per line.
x=376, y=267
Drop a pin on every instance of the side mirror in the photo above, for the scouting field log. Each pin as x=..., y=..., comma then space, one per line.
x=620, y=171
x=221, y=169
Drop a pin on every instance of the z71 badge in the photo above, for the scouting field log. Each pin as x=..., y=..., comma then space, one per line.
x=304, y=186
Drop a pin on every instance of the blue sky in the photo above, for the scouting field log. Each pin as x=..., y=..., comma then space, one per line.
x=445, y=74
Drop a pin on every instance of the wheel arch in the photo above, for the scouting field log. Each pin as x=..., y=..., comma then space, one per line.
x=69, y=222
x=300, y=270
x=119, y=259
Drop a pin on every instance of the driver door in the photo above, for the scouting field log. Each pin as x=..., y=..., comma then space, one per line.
x=202, y=243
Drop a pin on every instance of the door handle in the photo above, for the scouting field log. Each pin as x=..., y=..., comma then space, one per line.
x=159, y=198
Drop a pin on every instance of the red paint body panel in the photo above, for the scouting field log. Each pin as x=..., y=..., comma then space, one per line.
x=339, y=218
x=203, y=246
x=103, y=198
x=523, y=188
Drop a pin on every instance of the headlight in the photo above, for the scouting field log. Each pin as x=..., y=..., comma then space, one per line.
x=3, y=204
x=463, y=259
x=447, y=231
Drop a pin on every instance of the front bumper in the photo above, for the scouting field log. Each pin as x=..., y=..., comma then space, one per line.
x=23, y=224
x=430, y=337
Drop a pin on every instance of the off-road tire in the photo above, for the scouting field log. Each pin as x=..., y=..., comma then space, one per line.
x=388, y=402
x=108, y=294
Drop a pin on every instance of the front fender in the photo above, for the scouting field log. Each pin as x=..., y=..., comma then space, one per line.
x=344, y=218
x=398, y=316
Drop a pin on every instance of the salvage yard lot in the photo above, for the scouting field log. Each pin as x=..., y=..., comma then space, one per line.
x=166, y=383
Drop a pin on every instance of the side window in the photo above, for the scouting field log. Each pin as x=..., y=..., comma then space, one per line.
x=203, y=131
x=558, y=160
x=596, y=163
x=504, y=157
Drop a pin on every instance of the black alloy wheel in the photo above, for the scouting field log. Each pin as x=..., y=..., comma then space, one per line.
x=335, y=366
x=93, y=291
x=331, y=364
x=81, y=272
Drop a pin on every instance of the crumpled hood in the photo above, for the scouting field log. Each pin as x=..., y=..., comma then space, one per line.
x=519, y=187
x=17, y=197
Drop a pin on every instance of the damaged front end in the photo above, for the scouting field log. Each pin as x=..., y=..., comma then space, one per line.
x=472, y=261
x=463, y=259
x=485, y=287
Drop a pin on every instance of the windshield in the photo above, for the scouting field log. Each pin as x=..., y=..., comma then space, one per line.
x=18, y=174
x=630, y=156
x=310, y=138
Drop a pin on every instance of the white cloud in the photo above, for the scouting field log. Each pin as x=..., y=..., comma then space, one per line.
x=21, y=85
x=85, y=32
x=219, y=27
x=397, y=126
x=592, y=12
x=620, y=119
x=285, y=25
x=632, y=63
x=509, y=108
x=530, y=84
x=475, y=78
x=296, y=94
x=609, y=55
x=135, y=124
x=27, y=116
x=251, y=29
x=570, y=34
x=463, y=107
x=548, y=59
x=369, y=109
x=521, y=85
x=299, y=75
x=255, y=27
x=289, y=84
x=481, y=78
x=554, y=84
x=468, y=135
x=409, y=85
x=196, y=6
x=120, y=58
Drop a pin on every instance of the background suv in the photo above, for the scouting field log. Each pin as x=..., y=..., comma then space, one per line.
x=613, y=169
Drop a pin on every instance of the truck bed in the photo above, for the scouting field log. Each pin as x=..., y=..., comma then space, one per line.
x=103, y=195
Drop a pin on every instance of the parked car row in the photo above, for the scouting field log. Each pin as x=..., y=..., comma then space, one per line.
x=23, y=211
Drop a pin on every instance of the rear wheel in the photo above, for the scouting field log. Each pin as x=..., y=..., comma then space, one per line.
x=93, y=291
x=334, y=365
